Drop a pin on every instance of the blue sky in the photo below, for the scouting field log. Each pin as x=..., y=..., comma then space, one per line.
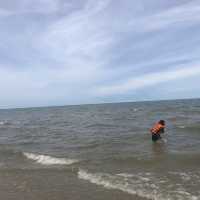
x=59, y=52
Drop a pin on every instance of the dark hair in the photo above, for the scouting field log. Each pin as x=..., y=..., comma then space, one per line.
x=162, y=122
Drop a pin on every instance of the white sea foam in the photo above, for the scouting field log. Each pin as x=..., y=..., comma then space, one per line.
x=139, y=176
x=139, y=184
x=125, y=175
x=49, y=160
x=182, y=175
x=115, y=182
x=189, y=176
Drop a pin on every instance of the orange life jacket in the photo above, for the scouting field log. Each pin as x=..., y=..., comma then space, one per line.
x=156, y=128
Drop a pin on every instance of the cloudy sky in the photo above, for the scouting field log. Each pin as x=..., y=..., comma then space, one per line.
x=59, y=52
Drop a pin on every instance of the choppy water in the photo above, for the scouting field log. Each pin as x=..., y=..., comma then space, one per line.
x=100, y=152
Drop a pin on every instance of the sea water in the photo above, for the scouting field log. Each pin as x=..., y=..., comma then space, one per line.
x=101, y=152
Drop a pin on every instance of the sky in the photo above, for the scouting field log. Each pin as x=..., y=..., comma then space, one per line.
x=63, y=52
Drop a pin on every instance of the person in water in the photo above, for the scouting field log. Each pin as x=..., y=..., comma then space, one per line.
x=157, y=129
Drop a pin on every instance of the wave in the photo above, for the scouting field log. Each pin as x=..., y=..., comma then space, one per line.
x=182, y=127
x=191, y=127
x=111, y=182
x=2, y=123
x=144, y=185
x=187, y=176
x=101, y=125
x=49, y=160
x=6, y=123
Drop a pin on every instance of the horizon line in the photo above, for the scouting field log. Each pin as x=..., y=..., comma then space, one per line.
x=101, y=103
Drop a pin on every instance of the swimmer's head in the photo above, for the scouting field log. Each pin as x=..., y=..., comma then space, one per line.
x=162, y=122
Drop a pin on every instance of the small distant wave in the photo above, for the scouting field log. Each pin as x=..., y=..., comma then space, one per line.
x=49, y=160
x=194, y=128
x=2, y=123
x=102, y=126
x=9, y=123
x=182, y=127
x=144, y=185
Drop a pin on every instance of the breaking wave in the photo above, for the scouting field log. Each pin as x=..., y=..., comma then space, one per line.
x=49, y=160
x=143, y=185
x=112, y=182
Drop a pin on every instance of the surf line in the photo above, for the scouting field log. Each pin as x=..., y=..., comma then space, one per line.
x=49, y=160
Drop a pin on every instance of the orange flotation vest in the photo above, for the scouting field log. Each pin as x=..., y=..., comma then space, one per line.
x=156, y=128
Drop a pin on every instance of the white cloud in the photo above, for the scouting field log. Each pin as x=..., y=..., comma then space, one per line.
x=174, y=18
x=178, y=16
x=78, y=42
x=149, y=79
x=78, y=34
x=33, y=85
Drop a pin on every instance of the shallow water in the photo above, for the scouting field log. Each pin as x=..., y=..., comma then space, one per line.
x=100, y=152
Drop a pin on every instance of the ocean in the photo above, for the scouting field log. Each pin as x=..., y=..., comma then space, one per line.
x=101, y=152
